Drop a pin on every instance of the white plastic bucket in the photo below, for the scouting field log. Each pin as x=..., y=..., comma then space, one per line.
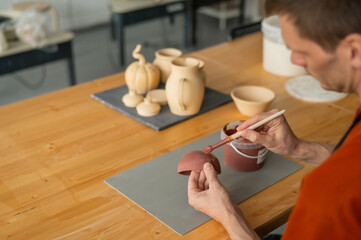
x=276, y=56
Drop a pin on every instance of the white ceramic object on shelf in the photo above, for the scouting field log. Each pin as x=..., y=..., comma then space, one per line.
x=3, y=42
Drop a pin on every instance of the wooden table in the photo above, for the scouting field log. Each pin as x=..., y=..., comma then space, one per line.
x=57, y=149
x=127, y=12
x=20, y=55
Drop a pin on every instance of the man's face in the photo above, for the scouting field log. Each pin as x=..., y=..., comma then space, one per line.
x=324, y=66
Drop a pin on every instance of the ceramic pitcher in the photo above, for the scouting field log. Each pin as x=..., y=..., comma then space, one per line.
x=163, y=58
x=185, y=86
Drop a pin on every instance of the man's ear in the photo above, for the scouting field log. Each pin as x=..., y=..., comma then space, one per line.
x=353, y=45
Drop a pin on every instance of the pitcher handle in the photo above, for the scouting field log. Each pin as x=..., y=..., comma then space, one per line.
x=200, y=64
x=180, y=94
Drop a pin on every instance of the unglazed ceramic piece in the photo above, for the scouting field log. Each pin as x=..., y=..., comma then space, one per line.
x=185, y=87
x=194, y=161
x=251, y=100
x=141, y=76
x=241, y=154
x=147, y=108
x=132, y=99
x=163, y=58
x=201, y=71
x=158, y=96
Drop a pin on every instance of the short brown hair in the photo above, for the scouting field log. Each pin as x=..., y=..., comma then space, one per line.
x=325, y=22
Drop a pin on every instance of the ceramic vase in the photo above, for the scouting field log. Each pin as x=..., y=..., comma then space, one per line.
x=185, y=86
x=163, y=59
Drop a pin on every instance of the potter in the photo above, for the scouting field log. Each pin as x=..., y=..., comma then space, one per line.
x=328, y=204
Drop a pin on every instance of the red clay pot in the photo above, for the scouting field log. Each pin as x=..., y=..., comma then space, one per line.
x=194, y=161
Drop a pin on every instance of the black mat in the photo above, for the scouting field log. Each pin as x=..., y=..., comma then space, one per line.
x=113, y=99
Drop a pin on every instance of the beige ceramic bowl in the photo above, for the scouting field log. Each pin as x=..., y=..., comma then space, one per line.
x=251, y=100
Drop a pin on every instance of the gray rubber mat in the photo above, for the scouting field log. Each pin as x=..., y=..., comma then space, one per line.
x=157, y=188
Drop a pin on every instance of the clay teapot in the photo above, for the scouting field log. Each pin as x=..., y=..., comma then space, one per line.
x=185, y=86
x=141, y=76
x=163, y=58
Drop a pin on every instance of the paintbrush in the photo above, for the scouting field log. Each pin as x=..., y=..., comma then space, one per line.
x=236, y=135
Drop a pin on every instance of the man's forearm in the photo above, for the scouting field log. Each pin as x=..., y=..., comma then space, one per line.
x=313, y=153
x=237, y=226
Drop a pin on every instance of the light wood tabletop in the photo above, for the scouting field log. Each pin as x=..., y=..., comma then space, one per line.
x=57, y=149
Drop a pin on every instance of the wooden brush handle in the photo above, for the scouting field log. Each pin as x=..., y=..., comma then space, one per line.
x=258, y=124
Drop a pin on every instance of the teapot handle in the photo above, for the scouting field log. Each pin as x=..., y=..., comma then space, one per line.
x=180, y=94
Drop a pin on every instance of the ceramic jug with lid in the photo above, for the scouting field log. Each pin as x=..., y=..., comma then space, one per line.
x=185, y=86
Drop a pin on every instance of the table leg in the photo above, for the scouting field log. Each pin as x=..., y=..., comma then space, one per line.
x=193, y=22
x=186, y=25
x=112, y=27
x=71, y=68
x=120, y=32
x=241, y=10
x=190, y=23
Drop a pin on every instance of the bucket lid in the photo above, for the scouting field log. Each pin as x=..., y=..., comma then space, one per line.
x=271, y=29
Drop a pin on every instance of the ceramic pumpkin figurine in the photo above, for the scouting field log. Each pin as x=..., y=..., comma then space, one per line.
x=141, y=76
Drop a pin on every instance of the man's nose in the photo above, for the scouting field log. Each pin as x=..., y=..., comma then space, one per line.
x=298, y=59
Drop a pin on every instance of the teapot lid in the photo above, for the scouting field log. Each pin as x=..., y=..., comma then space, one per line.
x=132, y=99
x=158, y=96
x=148, y=108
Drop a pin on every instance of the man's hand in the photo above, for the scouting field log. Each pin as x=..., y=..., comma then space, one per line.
x=208, y=195
x=277, y=136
